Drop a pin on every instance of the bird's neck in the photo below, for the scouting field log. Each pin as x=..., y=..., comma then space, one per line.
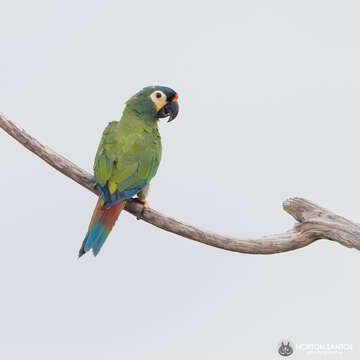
x=134, y=118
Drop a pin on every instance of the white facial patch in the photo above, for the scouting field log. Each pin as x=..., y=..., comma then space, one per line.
x=159, y=99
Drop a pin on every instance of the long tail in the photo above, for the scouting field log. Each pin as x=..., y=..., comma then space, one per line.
x=101, y=223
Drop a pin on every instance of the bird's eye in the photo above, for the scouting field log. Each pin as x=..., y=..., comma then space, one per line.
x=158, y=95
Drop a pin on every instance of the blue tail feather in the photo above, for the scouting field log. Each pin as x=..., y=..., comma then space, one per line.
x=105, y=215
x=99, y=243
x=93, y=235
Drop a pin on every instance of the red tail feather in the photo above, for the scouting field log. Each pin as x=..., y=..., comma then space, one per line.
x=112, y=214
x=106, y=219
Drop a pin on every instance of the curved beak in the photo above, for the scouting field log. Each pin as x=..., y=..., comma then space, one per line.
x=171, y=109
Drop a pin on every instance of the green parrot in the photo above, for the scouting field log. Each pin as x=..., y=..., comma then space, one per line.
x=127, y=159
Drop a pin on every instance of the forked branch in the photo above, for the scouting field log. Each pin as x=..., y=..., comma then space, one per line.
x=314, y=222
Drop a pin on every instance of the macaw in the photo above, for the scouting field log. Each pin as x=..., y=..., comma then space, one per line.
x=127, y=159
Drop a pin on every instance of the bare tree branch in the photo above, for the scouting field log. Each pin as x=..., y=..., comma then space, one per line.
x=314, y=222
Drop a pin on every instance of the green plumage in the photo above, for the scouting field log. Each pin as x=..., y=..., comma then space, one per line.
x=127, y=159
x=129, y=152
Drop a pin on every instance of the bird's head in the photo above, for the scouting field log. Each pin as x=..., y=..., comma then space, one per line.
x=157, y=102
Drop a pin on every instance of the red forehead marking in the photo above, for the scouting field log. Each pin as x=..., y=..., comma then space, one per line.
x=176, y=96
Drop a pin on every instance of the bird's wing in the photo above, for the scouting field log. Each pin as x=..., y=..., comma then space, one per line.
x=126, y=160
x=116, y=159
x=105, y=155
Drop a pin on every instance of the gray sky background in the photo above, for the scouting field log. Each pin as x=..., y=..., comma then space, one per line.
x=269, y=96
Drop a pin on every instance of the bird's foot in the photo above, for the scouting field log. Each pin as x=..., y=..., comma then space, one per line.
x=145, y=204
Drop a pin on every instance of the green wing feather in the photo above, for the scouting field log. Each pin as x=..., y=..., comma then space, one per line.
x=128, y=154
